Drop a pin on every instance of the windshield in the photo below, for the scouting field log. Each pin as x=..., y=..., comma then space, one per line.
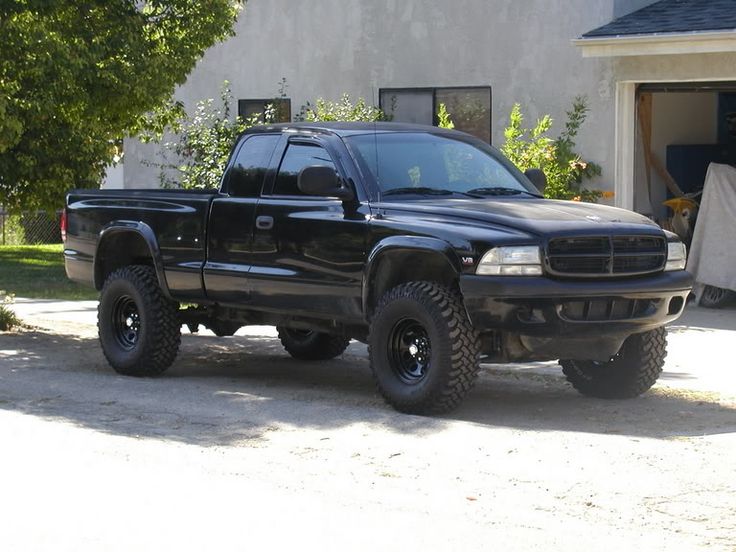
x=422, y=163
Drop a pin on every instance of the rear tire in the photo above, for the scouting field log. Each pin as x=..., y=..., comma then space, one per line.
x=423, y=350
x=629, y=373
x=715, y=297
x=311, y=345
x=139, y=327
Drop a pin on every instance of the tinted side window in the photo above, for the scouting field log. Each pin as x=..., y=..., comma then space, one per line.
x=251, y=163
x=297, y=157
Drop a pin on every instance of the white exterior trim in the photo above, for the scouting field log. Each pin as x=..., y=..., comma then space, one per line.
x=625, y=139
x=658, y=44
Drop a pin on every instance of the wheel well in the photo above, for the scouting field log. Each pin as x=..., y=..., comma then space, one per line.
x=118, y=250
x=401, y=266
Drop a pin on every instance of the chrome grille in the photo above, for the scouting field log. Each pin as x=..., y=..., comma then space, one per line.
x=600, y=256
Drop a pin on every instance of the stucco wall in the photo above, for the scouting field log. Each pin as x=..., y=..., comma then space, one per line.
x=675, y=68
x=326, y=47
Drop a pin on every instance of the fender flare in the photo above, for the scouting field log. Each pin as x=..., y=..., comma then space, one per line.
x=143, y=230
x=407, y=244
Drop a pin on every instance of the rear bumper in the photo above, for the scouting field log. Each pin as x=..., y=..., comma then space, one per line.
x=541, y=307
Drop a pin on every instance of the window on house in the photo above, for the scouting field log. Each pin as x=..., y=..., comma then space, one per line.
x=248, y=108
x=297, y=157
x=469, y=107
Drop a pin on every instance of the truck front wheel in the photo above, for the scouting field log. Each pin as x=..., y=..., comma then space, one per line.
x=139, y=327
x=311, y=345
x=631, y=372
x=424, y=352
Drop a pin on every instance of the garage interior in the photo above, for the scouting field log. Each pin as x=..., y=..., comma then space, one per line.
x=681, y=129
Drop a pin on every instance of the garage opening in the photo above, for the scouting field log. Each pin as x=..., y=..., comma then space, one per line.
x=681, y=129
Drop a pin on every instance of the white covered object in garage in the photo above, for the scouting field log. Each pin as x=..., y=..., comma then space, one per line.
x=712, y=259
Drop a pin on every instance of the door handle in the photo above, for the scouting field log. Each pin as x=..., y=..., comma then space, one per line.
x=264, y=223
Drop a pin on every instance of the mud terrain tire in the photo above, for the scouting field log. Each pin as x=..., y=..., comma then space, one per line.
x=139, y=327
x=424, y=352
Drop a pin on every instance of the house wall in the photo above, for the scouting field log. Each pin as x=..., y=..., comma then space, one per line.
x=326, y=47
x=676, y=68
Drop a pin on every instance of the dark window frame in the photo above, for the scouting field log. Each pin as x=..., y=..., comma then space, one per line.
x=225, y=186
x=433, y=90
x=270, y=192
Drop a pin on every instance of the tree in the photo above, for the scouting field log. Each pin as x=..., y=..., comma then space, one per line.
x=75, y=77
x=533, y=148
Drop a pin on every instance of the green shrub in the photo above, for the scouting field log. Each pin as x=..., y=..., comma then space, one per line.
x=342, y=110
x=203, y=142
x=443, y=117
x=533, y=148
x=199, y=155
x=8, y=319
x=12, y=230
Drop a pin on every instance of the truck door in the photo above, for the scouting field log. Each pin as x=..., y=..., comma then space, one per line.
x=308, y=252
x=230, y=227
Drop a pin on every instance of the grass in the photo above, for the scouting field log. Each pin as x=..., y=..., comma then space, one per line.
x=37, y=272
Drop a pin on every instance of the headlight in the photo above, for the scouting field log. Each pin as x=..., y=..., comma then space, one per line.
x=511, y=261
x=676, y=256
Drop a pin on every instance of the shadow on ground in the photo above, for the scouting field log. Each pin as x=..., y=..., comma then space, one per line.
x=700, y=318
x=225, y=391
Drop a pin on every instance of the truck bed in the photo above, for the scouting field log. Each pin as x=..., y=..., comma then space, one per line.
x=172, y=221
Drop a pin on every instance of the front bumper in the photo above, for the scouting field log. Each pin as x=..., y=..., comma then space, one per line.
x=542, y=307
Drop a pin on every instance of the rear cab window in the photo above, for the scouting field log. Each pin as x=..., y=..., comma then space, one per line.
x=247, y=172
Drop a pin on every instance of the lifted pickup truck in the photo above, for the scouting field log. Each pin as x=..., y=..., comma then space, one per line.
x=425, y=243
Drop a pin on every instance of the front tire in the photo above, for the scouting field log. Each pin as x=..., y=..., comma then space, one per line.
x=311, y=345
x=423, y=350
x=629, y=373
x=139, y=327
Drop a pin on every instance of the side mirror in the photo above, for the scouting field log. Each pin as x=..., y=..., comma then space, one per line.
x=538, y=178
x=322, y=181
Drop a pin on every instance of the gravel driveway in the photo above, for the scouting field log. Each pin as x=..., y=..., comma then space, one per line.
x=240, y=447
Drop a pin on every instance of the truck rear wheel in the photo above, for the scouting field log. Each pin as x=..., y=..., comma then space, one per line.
x=139, y=327
x=423, y=350
x=631, y=372
x=311, y=345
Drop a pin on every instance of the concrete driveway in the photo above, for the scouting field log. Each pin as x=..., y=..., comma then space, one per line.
x=240, y=447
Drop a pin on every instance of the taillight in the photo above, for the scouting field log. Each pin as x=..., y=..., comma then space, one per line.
x=62, y=225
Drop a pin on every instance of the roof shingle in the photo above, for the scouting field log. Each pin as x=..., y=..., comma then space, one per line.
x=672, y=16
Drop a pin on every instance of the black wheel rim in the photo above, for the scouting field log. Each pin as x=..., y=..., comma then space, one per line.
x=126, y=322
x=410, y=351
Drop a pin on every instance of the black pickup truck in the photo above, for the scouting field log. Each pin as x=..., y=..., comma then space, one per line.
x=426, y=244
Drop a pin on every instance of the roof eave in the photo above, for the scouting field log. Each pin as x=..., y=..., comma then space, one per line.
x=702, y=42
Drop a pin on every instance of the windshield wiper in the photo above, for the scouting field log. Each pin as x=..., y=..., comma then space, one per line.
x=421, y=190
x=498, y=191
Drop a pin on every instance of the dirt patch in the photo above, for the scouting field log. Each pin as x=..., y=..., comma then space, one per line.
x=523, y=457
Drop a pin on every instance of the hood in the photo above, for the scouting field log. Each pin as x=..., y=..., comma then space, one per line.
x=532, y=215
